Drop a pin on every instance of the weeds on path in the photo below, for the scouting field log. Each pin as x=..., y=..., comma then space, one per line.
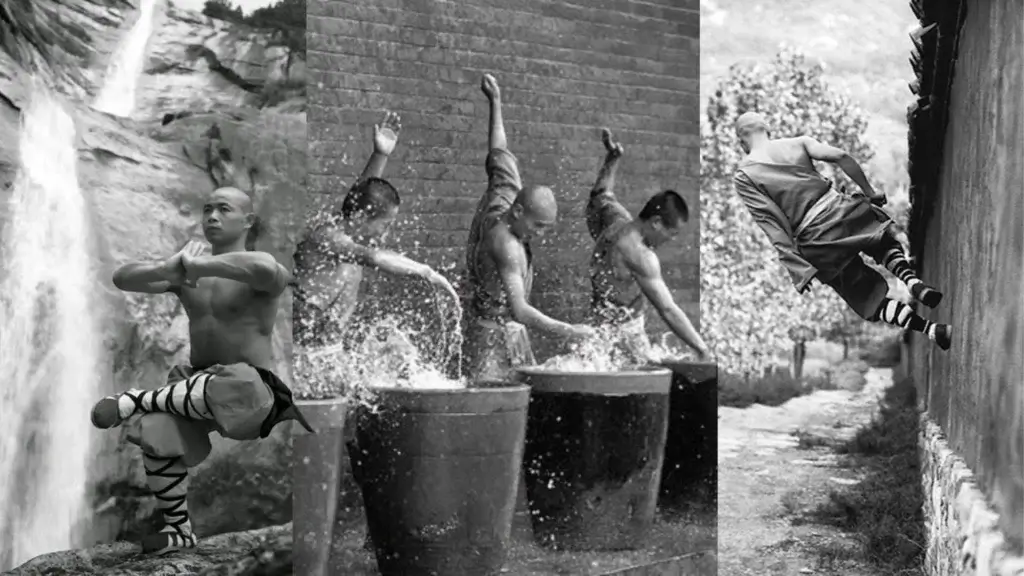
x=884, y=511
x=778, y=388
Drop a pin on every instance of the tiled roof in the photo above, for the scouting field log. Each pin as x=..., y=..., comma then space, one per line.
x=934, y=62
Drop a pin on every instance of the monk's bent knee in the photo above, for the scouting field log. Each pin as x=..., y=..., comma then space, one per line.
x=239, y=400
x=167, y=436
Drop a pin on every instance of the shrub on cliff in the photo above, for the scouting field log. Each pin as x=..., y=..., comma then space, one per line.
x=748, y=305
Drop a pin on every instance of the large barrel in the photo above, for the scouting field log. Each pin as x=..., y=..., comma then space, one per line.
x=594, y=449
x=438, y=470
x=316, y=469
x=691, y=454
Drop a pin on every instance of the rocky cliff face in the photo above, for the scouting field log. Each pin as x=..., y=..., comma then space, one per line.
x=144, y=179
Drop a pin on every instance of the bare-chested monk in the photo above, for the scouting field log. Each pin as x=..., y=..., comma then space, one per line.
x=625, y=272
x=231, y=299
x=500, y=264
x=343, y=239
x=820, y=232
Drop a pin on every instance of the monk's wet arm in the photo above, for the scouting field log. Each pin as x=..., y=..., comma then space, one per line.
x=511, y=262
x=259, y=270
x=603, y=207
x=773, y=223
x=145, y=277
x=646, y=270
x=345, y=251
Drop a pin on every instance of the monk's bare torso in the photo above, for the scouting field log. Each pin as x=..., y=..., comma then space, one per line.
x=488, y=299
x=229, y=322
x=616, y=295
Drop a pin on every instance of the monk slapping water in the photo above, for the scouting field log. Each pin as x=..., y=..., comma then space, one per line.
x=231, y=299
x=343, y=239
x=625, y=272
x=820, y=232
x=500, y=264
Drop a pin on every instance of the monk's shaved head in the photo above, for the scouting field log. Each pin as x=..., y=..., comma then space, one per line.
x=538, y=203
x=750, y=122
x=234, y=197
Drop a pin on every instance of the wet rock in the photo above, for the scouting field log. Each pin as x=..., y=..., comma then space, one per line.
x=265, y=552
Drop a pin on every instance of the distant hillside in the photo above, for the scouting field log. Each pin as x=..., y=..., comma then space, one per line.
x=864, y=44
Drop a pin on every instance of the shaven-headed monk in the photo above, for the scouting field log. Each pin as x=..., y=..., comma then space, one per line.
x=625, y=272
x=820, y=232
x=500, y=264
x=231, y=299
x=343, y=239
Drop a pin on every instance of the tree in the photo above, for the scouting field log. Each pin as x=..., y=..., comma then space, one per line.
x=748, y=304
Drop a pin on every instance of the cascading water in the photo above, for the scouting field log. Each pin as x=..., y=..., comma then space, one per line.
x=50, y=343
x=117, y=96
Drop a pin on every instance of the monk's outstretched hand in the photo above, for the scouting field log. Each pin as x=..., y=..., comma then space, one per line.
x=489, y=85
x=613, y=148
x=385, y=134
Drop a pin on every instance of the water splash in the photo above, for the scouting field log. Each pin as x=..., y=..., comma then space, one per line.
x=50, y=344
x=117, y=96
x=613, y=349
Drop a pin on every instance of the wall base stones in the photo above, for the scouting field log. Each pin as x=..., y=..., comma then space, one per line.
x=962, y=529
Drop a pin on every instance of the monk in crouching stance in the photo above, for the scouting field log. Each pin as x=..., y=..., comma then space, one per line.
x=231, y=298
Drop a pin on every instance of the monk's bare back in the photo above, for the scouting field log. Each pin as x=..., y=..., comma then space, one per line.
x=784, y=151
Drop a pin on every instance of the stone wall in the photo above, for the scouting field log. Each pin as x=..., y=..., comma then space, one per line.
x=967, y=158
x=565, y=70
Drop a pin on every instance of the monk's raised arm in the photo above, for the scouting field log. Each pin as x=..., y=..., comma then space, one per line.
x=603, y=207
x=385, y=138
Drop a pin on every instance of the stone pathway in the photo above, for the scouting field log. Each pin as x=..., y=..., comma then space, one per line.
x=765, y=480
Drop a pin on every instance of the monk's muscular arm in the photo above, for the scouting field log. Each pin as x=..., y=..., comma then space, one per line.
x=508, y=254
x=146, y=277
x=385, y=138
x=603, y=207
x=825, y=153
x=774, y=224
x=259, y=270
x=646, y=270
x=344, y=250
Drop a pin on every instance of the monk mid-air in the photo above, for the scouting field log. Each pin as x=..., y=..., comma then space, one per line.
x=820, y=232
x=625, y=272
x=231, y=299
x=500, y=264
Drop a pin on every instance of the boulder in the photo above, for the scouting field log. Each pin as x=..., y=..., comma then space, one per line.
x=265, y=552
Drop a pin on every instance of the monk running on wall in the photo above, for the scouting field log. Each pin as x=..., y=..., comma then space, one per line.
x=820, y=232
x=625, y=272
x=231, y=299
x=500, y=263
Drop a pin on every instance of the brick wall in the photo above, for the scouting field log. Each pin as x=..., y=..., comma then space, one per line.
x=565, y=69
x=968, y=196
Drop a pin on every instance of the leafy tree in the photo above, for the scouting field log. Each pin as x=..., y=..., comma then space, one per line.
x=748, y=304
x=223, y=10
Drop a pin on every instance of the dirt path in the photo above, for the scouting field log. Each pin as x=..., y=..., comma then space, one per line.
x=766, y=480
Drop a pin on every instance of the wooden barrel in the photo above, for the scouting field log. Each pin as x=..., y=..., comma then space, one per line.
x=594, y=450
x=316, y=469
x=690, y=475
x=438, y=470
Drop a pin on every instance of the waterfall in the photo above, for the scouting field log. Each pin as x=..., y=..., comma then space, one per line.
x=117, y=96
x=50, y=342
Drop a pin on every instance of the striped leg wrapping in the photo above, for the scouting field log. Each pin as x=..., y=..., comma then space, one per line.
x=168, y=479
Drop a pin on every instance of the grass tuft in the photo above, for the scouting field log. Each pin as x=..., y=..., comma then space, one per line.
x=884, y=510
